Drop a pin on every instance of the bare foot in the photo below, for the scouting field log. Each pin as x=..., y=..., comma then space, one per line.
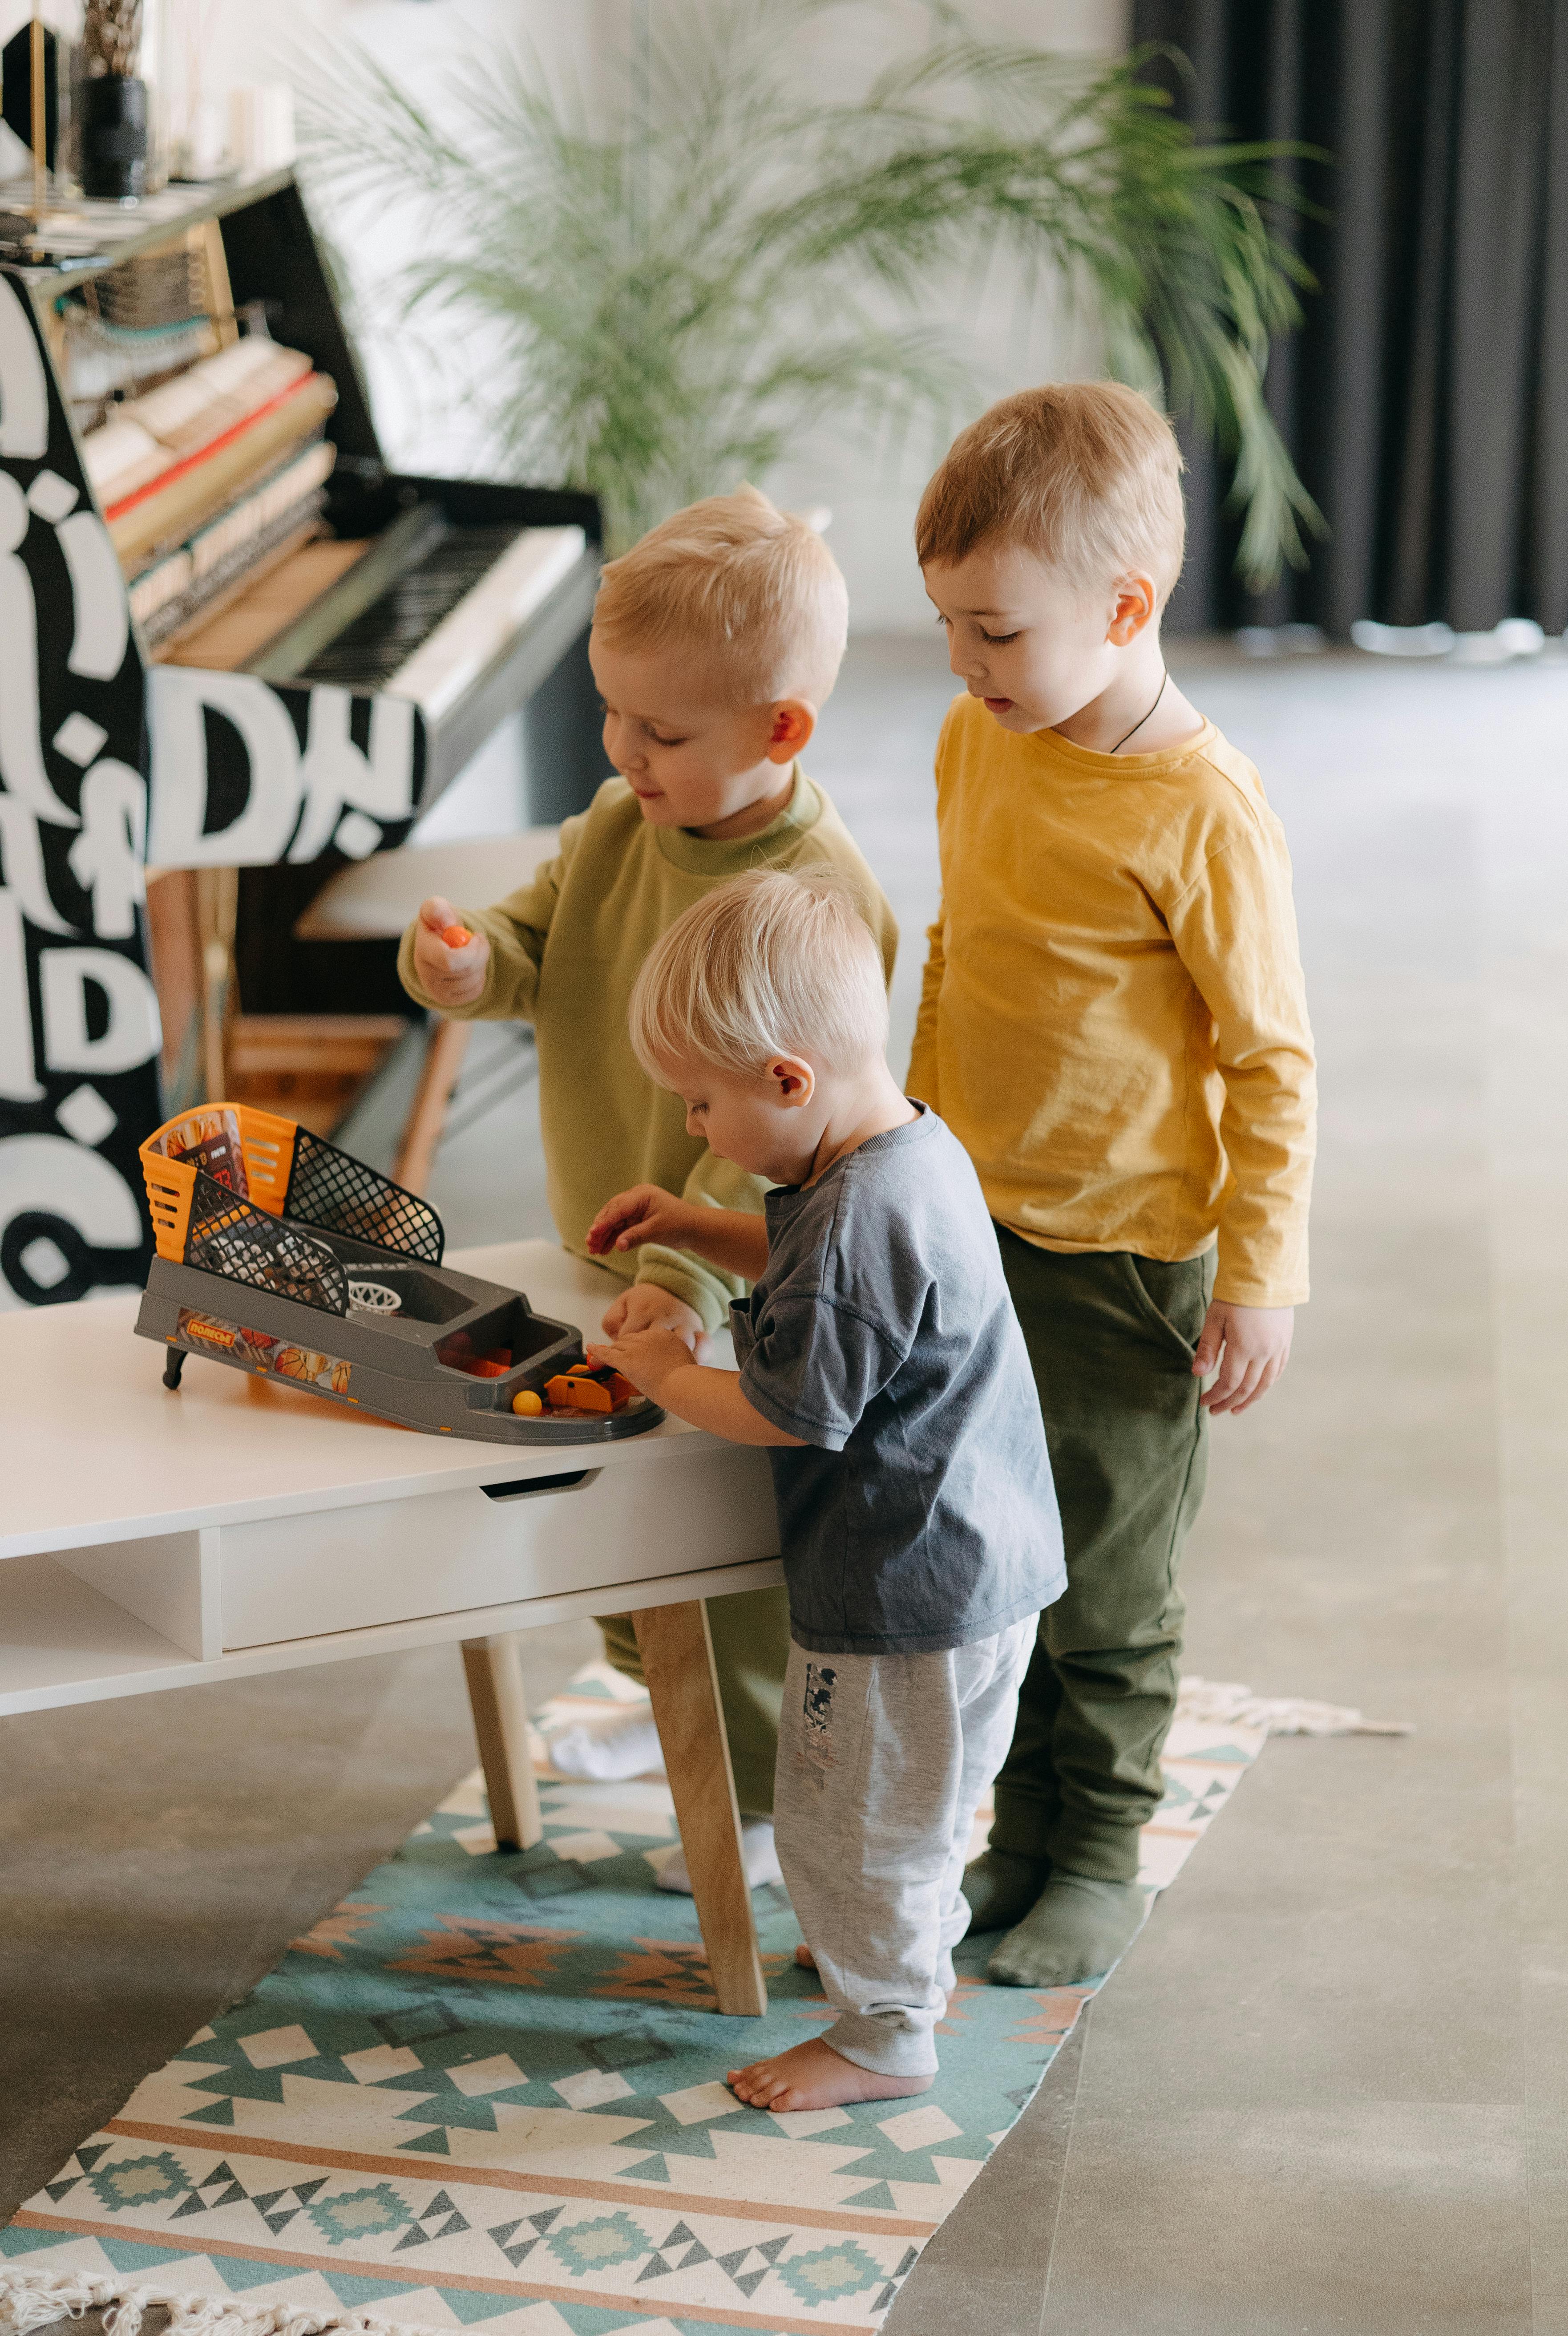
x=814, y=2077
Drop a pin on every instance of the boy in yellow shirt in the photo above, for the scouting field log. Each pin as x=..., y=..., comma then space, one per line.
x=1114, y=1024
x=715, y=641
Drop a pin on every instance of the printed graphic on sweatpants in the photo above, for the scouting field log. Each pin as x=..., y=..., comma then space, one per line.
x=816, y=1736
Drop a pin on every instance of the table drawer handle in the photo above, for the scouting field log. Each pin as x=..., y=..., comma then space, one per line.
x=516, y=1487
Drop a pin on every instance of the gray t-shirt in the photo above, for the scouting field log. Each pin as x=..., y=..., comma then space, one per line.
x=920, y=1515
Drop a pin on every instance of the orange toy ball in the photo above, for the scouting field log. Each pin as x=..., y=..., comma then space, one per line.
x=527, y=1405
x=457, y=937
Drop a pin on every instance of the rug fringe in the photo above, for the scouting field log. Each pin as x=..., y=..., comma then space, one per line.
x=32, y=2299
x=1221, y=1703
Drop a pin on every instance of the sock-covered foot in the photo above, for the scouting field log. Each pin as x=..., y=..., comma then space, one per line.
x=607, y=1751
x=1001, y=1887
x=757, y=1848
x=814, y=2077
x=1075, y=1930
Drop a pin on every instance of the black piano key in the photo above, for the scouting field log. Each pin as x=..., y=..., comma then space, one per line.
x=369, y=652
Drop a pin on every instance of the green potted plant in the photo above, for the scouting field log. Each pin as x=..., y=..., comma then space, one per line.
x=675, y=287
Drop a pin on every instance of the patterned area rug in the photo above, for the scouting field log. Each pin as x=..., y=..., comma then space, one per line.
x=488, y=2091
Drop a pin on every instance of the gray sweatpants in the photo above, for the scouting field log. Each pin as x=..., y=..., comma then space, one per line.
x=882, y=1763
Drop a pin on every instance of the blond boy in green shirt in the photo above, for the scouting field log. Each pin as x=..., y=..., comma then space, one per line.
x=716, y=640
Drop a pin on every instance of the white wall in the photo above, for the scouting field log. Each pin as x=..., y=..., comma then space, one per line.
x=417, y=407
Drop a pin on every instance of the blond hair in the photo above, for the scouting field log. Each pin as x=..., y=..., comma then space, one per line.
x=1086, y=473
x=771, y=963
x=752, y=591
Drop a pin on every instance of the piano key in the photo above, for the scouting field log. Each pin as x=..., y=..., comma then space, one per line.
x=486, y=619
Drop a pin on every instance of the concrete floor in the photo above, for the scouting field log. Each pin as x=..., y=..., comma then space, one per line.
x=1329, y=2089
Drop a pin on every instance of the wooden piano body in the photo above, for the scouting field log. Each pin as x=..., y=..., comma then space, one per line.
x=324, y=721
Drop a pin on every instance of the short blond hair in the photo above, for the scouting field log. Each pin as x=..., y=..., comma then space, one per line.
x=752, y=592
x=1087, y=473
x=772, y=963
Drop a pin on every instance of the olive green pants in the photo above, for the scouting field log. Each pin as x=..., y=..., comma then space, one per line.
x=750, y=1645
x=1111, y=1338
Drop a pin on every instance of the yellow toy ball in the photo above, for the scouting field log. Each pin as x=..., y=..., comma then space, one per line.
x=527, y=1405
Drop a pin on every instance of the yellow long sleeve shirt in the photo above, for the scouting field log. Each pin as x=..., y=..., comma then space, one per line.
x=1112, y=1019
x=564, y=952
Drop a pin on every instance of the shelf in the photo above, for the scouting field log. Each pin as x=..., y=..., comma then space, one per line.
x=91, y=237
x=59, y=1635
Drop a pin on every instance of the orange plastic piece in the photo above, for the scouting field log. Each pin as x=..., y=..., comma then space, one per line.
x=266, y=1142
x=457, y=936
x=589, y=1387
x=526, y=1403
x=567, y=1392
x=489, y=1370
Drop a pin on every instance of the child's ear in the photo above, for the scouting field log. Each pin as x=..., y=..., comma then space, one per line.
x=794, y=720
x=1136, y=603
x=792, y=1080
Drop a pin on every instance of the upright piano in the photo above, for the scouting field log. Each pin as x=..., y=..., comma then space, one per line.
x=251, y=648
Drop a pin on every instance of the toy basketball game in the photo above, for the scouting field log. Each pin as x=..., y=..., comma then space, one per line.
x=279, y=1255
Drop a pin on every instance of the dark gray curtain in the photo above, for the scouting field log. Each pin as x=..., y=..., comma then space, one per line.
x=1426, y=401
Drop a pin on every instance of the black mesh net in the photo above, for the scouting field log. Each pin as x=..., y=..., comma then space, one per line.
x=227, y=1236
x=341, y=1196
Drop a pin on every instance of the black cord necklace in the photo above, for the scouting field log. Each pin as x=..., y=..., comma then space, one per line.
x=1149, y=716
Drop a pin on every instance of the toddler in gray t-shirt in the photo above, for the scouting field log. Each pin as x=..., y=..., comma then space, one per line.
x=883, y=1369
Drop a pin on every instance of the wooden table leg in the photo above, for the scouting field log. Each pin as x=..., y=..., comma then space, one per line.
x=677, y=1664
x=494, y=1672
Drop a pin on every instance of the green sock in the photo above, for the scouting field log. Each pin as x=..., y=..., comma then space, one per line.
x=1075, y=1930
x=1002, y=1886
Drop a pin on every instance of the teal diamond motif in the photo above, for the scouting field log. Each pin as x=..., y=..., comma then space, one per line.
x=596, y=2247
x=832, y=2272
x=359, y=2214
x=130, y=2182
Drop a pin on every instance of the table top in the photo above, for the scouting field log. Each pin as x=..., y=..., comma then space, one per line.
x=93, y=1447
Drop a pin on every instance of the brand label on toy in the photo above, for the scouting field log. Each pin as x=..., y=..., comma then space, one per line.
x=260, y=1352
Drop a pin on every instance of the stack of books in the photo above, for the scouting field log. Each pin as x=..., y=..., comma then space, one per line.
x=213, y=477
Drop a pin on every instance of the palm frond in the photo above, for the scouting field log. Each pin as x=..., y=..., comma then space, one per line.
x=683, y=288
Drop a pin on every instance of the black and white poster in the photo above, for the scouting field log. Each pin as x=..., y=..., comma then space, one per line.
x=79, y=1033
x=102, y=767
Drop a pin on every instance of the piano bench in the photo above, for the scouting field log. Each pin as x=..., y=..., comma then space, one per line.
x=375, y=898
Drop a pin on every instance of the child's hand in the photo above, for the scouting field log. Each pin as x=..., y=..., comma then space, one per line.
x=1256, y=1345
x=647, y=1357
x=646, y=1307
x=646, y=1213
x=453, y=976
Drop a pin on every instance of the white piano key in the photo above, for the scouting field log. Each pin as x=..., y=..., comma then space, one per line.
x=486, y=618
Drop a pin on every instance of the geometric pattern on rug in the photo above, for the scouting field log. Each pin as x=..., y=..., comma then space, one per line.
x=488, y=2090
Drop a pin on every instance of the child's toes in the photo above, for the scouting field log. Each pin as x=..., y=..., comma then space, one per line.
x=760, y=2084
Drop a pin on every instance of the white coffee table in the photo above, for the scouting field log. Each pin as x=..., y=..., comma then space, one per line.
x=151, y=1539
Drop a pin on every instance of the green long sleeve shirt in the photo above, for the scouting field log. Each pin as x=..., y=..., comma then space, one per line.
x=564, y=952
